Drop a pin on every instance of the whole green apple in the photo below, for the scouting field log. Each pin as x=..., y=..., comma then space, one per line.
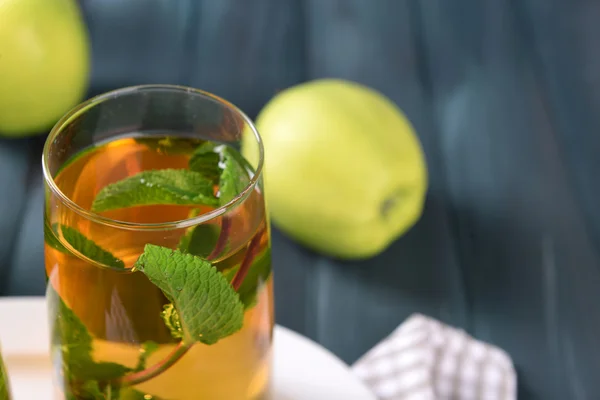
x=44, y=63
x=344, y=171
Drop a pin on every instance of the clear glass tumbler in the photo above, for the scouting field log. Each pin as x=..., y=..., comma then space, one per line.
x=157, y=249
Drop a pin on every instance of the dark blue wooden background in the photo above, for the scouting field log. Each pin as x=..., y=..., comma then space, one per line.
x=505, y=97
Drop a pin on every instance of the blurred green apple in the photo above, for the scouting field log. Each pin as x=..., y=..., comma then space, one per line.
x=44, y=63
x=344, y=171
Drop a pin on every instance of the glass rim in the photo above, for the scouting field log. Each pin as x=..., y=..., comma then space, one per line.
x=184, y=223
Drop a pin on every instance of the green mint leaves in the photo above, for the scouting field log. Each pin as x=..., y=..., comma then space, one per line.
x=223, y=165
x=257, y=275
x=50, y=237
x=72, y=345
x=208, y=307
x=199, y=240
x=172, y=321
x=232, y=180
x=91, y=390
x=128, y=393
x=147, y=349
x=164, y=186
x=89, y=249
x=75, y=342
x=204, y=306
x=234, y=177
x=81, y=244
x=206, y=161
x=83, y=377
x=4, y=389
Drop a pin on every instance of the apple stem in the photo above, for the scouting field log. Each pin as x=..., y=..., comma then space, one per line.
x=391, y=202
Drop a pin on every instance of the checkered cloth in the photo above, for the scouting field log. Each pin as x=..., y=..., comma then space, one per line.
x=424, y=359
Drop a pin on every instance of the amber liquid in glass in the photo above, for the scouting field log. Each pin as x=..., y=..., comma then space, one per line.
x=121, y=309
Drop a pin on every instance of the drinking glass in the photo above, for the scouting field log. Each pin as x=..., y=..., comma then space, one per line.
x=115, y=332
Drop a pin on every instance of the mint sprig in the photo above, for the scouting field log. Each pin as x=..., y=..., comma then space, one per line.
x=156, y=187
x=208, y=307
x=223, y=165
x=72, y=344
x=128, y=393
x=199, y=240
x=78, y=156
x=205, y=306
x=91, y=390
x=172, y=321
x=206, y=161
x=90, y=249
x=85, y=378
x=86, y=247
x=234, y=176
x=51, y=239
x=148, y=348
x=257, y=274
x=232, y=179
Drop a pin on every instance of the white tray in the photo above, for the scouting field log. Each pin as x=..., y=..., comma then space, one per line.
x=303, y=370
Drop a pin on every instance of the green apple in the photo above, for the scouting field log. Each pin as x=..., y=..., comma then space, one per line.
x=344, y=171
x=44, y=63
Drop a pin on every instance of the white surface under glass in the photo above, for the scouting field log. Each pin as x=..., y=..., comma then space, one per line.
x=302, y=369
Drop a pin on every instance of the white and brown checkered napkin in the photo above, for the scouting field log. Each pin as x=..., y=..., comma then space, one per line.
x=424, y=359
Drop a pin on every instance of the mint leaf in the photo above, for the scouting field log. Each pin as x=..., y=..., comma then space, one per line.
x=132, y=394
x=91, y=390
x=208, y=307
x=88, y=248
x=224, y=165
x=199, y=240
x=4, y=388
x=206, y=161
x=232, y=181
x=75, y=342
x=172, y=321
x=101, y=371
x=72, y=343
x=257, y=274
x=77, y=156
x=234, y=178
x=51, y=239
x=146, y=351
x=84, y=377
x=81, y=244
x=165, y=186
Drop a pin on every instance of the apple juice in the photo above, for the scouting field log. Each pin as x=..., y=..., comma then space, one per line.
x=110, y=336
